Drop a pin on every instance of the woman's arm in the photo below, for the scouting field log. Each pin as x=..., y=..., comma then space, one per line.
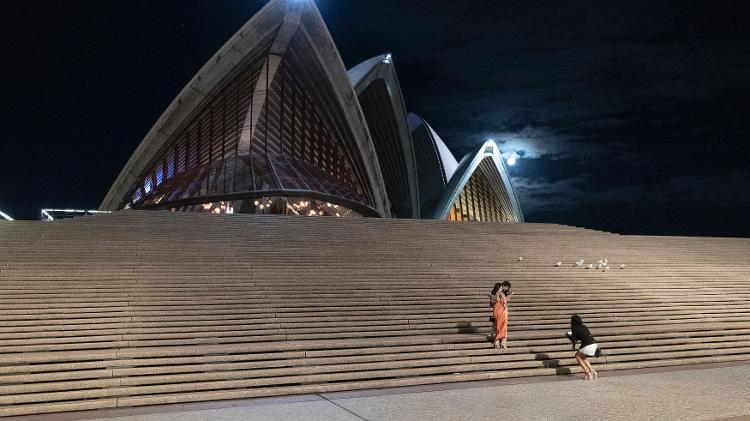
x=574, y=336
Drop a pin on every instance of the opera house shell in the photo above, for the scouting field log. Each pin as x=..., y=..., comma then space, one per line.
x=274, y=123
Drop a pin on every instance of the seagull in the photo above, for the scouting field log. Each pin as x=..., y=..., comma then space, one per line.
x=600, y=261
x=622, y=266
x=606, y=268
x=520, y=259
x=589, y=266
x=558, y=264
x=606, y=262
x=579, y=263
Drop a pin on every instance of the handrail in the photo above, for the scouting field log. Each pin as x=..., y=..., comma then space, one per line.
x=46, y=214
x=5, y=216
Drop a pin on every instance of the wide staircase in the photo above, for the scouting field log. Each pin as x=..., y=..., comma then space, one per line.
x=144, y=308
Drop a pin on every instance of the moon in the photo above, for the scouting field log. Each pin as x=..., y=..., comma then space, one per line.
x=512, y=159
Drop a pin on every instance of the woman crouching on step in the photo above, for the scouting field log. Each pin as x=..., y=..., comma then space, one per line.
x=588, y=348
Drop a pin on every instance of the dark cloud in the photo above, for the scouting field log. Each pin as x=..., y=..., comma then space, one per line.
x=636, y=105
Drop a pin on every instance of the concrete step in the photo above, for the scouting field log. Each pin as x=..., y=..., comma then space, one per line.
x=139, y=308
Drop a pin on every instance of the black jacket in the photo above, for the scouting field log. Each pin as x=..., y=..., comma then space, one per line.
x=581, y=333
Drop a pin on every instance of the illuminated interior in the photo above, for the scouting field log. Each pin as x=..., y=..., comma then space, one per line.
x=272, y=205
x=480, y=201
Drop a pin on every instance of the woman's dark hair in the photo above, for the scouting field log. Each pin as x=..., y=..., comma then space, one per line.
x=496, y=288
x=506, y=287
x=575, y=320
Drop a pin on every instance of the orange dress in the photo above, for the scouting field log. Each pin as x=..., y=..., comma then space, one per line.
x=500, y=311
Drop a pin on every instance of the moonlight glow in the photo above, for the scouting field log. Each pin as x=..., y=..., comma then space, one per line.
x=512, y=158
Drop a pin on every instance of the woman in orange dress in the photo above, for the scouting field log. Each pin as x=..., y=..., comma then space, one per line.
x=499, y=301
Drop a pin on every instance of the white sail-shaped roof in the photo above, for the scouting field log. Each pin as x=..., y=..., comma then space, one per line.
x=380, y=97
x=268, y=39
x=496, y=174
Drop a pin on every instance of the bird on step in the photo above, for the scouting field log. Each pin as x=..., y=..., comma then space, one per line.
x=558, y=264
x=622, y=266
x=579, y=263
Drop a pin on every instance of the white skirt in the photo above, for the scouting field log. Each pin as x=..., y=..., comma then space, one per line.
x=588, y=350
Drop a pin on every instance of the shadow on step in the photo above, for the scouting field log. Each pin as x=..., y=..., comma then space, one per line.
x=552, y=363
x=466, y=327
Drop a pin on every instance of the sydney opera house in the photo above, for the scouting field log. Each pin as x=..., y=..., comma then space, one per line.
x=115, y=310
x=274, y=123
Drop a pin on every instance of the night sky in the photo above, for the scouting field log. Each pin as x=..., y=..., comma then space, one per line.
x=629, y=116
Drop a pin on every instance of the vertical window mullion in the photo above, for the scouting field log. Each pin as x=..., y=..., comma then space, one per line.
x=265, y=104
x=294, y=114
x=281, y=111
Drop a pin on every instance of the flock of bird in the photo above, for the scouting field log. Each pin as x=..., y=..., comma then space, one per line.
x=602, y=264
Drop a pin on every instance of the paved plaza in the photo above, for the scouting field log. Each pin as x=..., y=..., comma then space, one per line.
x=695, y=393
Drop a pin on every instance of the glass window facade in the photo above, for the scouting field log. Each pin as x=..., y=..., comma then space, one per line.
x=272, y=205
x=297, y=142
x=480, y=200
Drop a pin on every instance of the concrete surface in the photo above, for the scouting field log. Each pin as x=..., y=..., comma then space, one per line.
x=720, y=391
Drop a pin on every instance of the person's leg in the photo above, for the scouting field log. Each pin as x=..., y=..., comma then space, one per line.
x=581, y=361
x=578, y=360
x=502, y=330
x=593, y=372
x=496, y=332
